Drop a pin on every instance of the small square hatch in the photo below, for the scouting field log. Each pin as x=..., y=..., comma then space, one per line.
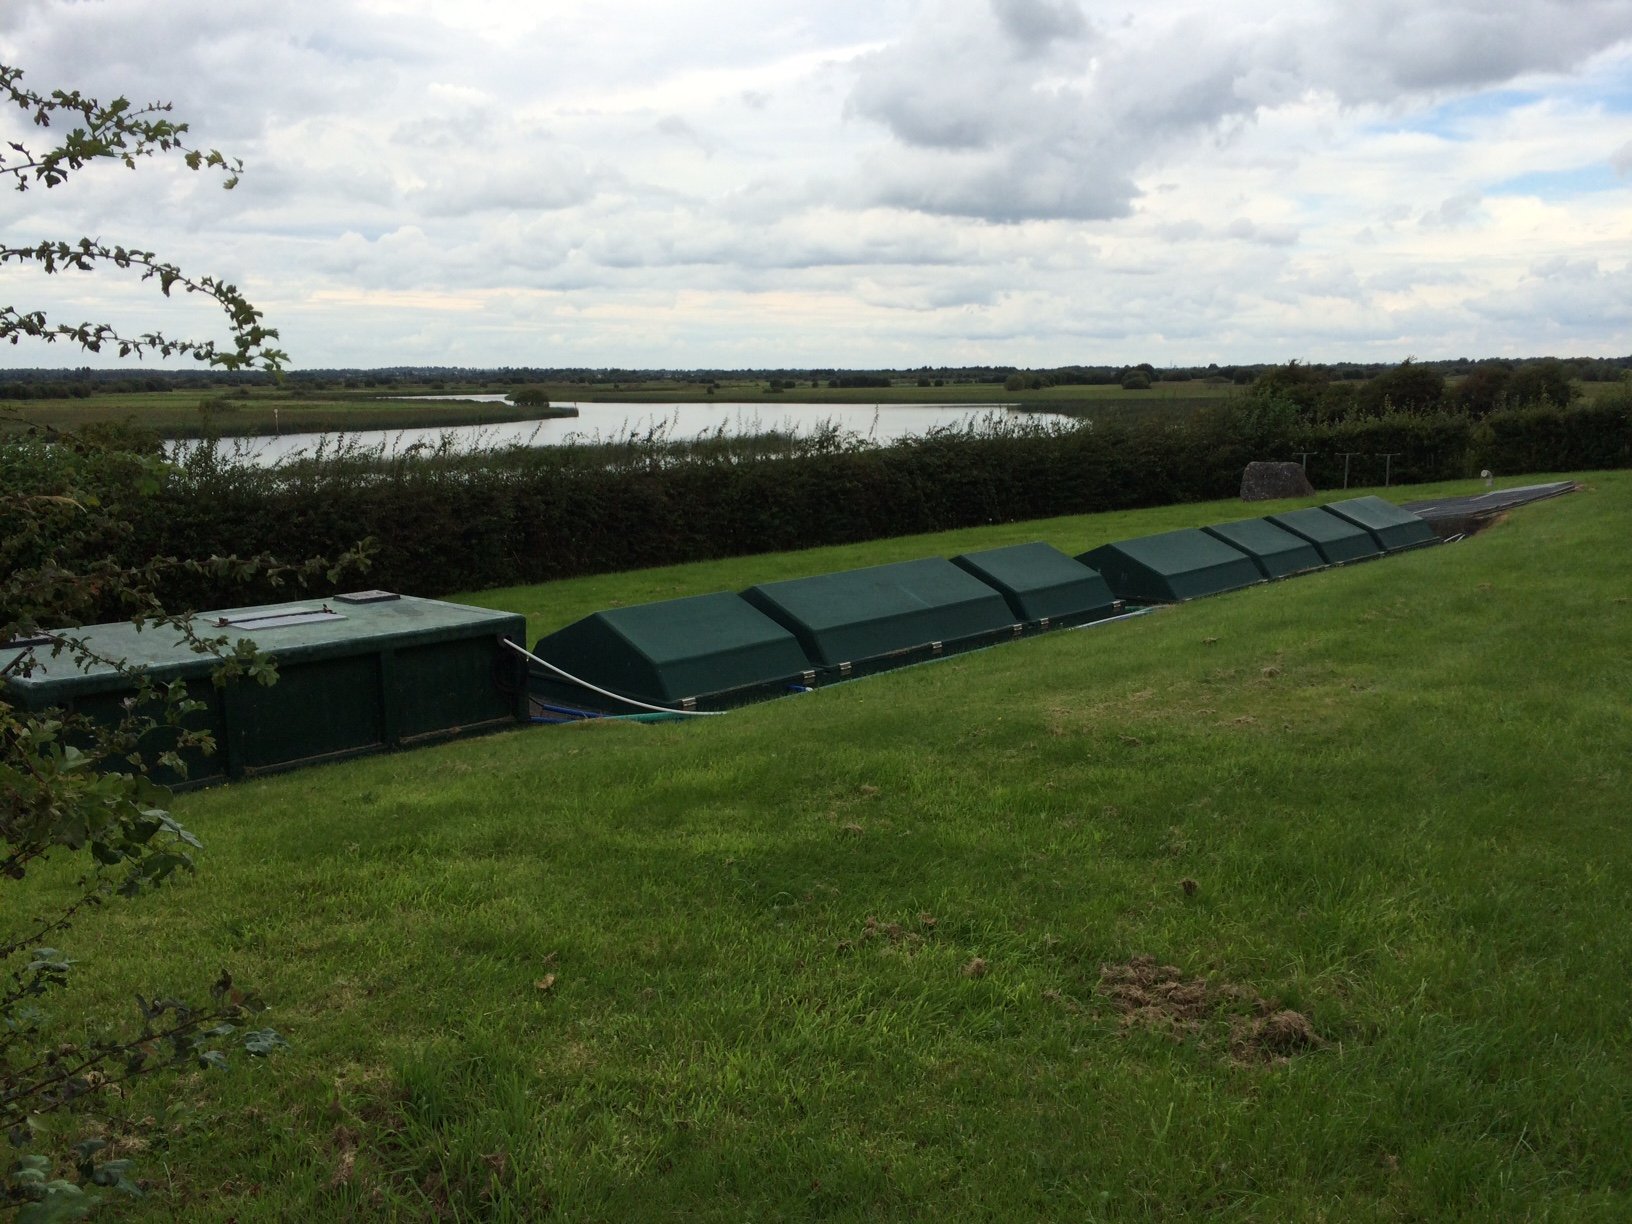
x=367, y=597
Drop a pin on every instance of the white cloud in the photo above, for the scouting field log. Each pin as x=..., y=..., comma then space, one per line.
x=747, y=181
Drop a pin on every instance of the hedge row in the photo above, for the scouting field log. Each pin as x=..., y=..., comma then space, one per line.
x=444, y=525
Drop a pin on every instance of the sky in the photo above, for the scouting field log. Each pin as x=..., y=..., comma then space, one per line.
x=695, y=184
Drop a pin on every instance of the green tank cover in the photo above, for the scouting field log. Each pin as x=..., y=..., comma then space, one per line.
x=678, y=648
x=1394, y=529
x=1172, y=566
x=862, y=614
x=1042, y=583
x=355, y=674
x=1274, y=550
x=1337, y=538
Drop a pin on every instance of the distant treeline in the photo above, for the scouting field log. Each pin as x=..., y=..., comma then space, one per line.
x=65, y=384
x=444, y=521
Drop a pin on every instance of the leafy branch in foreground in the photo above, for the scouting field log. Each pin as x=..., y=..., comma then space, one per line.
x=115, y=130
x=118, y=131
x=250, y=338
x=84, y=788
x=74, y=785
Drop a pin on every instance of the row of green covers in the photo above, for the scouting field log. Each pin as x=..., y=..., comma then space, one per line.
x=720, y=649
x=1178, y=565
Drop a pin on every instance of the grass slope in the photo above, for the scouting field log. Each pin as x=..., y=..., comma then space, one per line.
x=840, y=957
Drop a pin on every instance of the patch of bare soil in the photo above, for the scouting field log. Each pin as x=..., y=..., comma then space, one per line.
x=1160, y=997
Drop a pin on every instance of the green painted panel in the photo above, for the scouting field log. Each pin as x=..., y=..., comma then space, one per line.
x=1041, y=582
x=437, y=687
x=1274, y=550
x=108, y=708
x=1337, y=539
x=862, y=614
x=1394, y=529
x=1172, y=566
x=665, y=652
x=353, y=677
x=320, y=709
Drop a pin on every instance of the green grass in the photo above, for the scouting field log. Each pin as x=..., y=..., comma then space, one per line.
x=1399, y=789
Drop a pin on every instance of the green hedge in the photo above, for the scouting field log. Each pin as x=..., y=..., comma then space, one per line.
x=1591, y=437
x=446, y=523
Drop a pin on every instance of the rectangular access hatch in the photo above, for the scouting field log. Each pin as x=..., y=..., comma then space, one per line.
x=1394, y=529
x=867, y=614
x=1172, y=566
x=700, y=647
x=1338, y=539
x=1274, y=550
x=1041, y=584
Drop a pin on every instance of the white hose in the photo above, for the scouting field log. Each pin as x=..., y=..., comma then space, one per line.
x=1111, y=620
x=565, y=675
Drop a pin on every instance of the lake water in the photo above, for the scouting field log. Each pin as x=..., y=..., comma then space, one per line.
x=677, y=422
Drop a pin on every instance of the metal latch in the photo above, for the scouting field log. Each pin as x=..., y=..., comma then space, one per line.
x=278, y=620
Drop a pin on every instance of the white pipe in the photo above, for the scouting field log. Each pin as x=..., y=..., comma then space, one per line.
x=1122, y=616
x=641, y=705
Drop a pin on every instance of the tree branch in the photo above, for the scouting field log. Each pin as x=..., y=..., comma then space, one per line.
x=250, y=339
x=113, y=130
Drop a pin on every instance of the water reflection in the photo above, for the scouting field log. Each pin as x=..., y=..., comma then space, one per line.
x=674, y=421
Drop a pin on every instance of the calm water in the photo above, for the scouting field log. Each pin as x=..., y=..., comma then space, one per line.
x=611, y=422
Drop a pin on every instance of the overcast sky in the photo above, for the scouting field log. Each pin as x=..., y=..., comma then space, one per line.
x=728, y=183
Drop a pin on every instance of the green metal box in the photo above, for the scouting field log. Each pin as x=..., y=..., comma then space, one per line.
x=1394, y=529
x=1338, y=539
x=1274, y=550
x=1041, y=583
x=1172, y=566
x=866, y=614
x=356, y=673
x=698, y=649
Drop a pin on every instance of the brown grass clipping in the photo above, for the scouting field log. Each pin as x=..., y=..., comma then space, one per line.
x=1150, y=995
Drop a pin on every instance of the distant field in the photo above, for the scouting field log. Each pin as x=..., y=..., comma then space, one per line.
x=178, y=413
x=897, y=949
x=1601, y=390
x=286, y=410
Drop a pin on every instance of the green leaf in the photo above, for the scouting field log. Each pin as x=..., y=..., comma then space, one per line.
x=262, y=1042
x=31, y=1170
x=62, y=1201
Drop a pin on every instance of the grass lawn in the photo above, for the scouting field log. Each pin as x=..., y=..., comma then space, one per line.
x=878, y=952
